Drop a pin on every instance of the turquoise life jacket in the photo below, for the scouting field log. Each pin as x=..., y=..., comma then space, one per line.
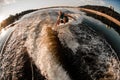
x=62, y=16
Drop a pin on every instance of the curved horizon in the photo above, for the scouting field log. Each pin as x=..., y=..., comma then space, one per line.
x=11, y=7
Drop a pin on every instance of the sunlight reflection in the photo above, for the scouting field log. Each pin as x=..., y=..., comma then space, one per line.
x=1, y=18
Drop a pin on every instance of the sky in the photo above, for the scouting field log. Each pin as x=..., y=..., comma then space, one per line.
x=12, y=7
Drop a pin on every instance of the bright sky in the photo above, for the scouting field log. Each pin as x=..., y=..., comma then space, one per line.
x=8, y=7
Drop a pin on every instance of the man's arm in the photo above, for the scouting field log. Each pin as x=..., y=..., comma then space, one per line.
x=58, y=21
x=70, y=16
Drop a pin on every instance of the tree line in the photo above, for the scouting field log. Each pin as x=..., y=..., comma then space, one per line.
x=13, y=18
x=107, y=10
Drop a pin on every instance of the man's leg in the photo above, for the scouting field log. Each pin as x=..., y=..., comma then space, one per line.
x=58, y=22
x=64, y=20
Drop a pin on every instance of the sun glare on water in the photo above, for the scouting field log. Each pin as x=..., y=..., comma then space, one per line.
x=1, y=18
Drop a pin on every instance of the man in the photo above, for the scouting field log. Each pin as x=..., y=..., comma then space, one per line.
x=63, y=18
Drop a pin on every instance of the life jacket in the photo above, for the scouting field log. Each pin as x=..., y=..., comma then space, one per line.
x=62, y=16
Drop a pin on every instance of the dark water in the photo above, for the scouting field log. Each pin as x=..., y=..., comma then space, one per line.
x=112, y=37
